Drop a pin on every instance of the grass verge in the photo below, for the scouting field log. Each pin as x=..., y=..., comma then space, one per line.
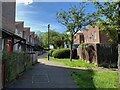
x=73, y=63
x=95, y=79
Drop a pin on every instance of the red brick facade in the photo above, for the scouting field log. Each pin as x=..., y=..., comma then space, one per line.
x=91, y=35
x=78, y=38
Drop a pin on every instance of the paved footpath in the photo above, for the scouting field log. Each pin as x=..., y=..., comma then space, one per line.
x=46, y=74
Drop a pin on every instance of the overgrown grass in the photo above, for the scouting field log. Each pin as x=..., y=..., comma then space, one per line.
x=95, y=79
x=74, y=63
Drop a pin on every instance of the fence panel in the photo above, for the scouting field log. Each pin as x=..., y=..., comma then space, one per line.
x=107, y=55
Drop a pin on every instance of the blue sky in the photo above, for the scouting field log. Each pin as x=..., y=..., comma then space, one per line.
x=37, y=15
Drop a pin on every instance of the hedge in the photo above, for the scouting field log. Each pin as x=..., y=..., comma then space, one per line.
x=14, y=64
x=61, y=53
x=51, y=52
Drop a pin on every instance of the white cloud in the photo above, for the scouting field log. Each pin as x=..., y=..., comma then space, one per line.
x=26, y=2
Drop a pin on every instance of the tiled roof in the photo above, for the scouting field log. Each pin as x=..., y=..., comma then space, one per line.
x=26, y=28
x=18, y=22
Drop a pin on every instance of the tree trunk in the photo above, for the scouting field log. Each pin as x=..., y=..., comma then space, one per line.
x=71, y=47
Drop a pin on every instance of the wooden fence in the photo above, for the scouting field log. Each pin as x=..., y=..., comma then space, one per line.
x=102, y=54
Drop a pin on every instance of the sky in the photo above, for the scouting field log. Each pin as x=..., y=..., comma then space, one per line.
x=37, y=15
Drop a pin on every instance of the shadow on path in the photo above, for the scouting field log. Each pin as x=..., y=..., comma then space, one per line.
x=47, y=76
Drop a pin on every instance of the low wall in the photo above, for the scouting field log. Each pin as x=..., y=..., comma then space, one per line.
x=87, y=53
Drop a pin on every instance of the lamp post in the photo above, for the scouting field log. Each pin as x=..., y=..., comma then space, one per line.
x=48, y=40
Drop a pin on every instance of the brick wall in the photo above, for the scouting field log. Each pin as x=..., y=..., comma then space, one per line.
x=91, y=35
x=102, y=54
x=78, y=38
x=103, y=37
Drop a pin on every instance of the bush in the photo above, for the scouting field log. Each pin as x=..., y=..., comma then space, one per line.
x=61, y=53
x=51, y=52
x=82, y=45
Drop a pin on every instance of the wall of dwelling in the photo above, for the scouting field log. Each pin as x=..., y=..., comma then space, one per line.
x=8, y=16
x=91, y=35
x=18, y=31
x=78, y=38
x=28, y=35
x=103, y=37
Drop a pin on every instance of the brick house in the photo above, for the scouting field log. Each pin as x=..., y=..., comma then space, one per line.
x=32, y=37
x=19, y=25
x=93, y=35
x=8, y=27
x=26, y=36
x=78, y=38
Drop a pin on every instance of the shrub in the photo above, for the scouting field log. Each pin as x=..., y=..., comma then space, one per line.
x=82, y=45
x=61, y=53
x=51, y=52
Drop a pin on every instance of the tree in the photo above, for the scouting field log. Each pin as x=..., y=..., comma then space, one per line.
x=40, y=35
x=111, y=11
x=74, y=19
x=56, y=39
x=111, y=18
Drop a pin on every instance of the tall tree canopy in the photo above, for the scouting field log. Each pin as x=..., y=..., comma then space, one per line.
x=111, y=18
x=56, y=39
x=74, y=19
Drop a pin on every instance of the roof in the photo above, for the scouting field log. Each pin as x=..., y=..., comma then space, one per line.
x=32, y=33
x=26, y=28
x=18, y=22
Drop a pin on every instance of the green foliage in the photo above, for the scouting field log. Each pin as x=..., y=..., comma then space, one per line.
x=74, y=63
x=62, y=53
x=56, y=39
x=74, y=19
x=95, y=79
x=110, y=22
x=82, y=44
x=51, y=52
x=15, y=63
x=41, y=37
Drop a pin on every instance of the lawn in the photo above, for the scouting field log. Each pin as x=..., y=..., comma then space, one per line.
x=95, y=79
x=73, y=63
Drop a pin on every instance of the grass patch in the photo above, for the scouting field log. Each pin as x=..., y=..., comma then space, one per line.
x=74, y=62
x=95, y=79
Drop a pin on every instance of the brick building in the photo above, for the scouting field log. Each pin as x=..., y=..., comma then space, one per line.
x=19, y=25
x=93, y=35
x=78, y=38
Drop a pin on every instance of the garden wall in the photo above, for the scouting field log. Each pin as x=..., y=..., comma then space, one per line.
x=87, y=53
x=14, y=65
x=102, y=54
